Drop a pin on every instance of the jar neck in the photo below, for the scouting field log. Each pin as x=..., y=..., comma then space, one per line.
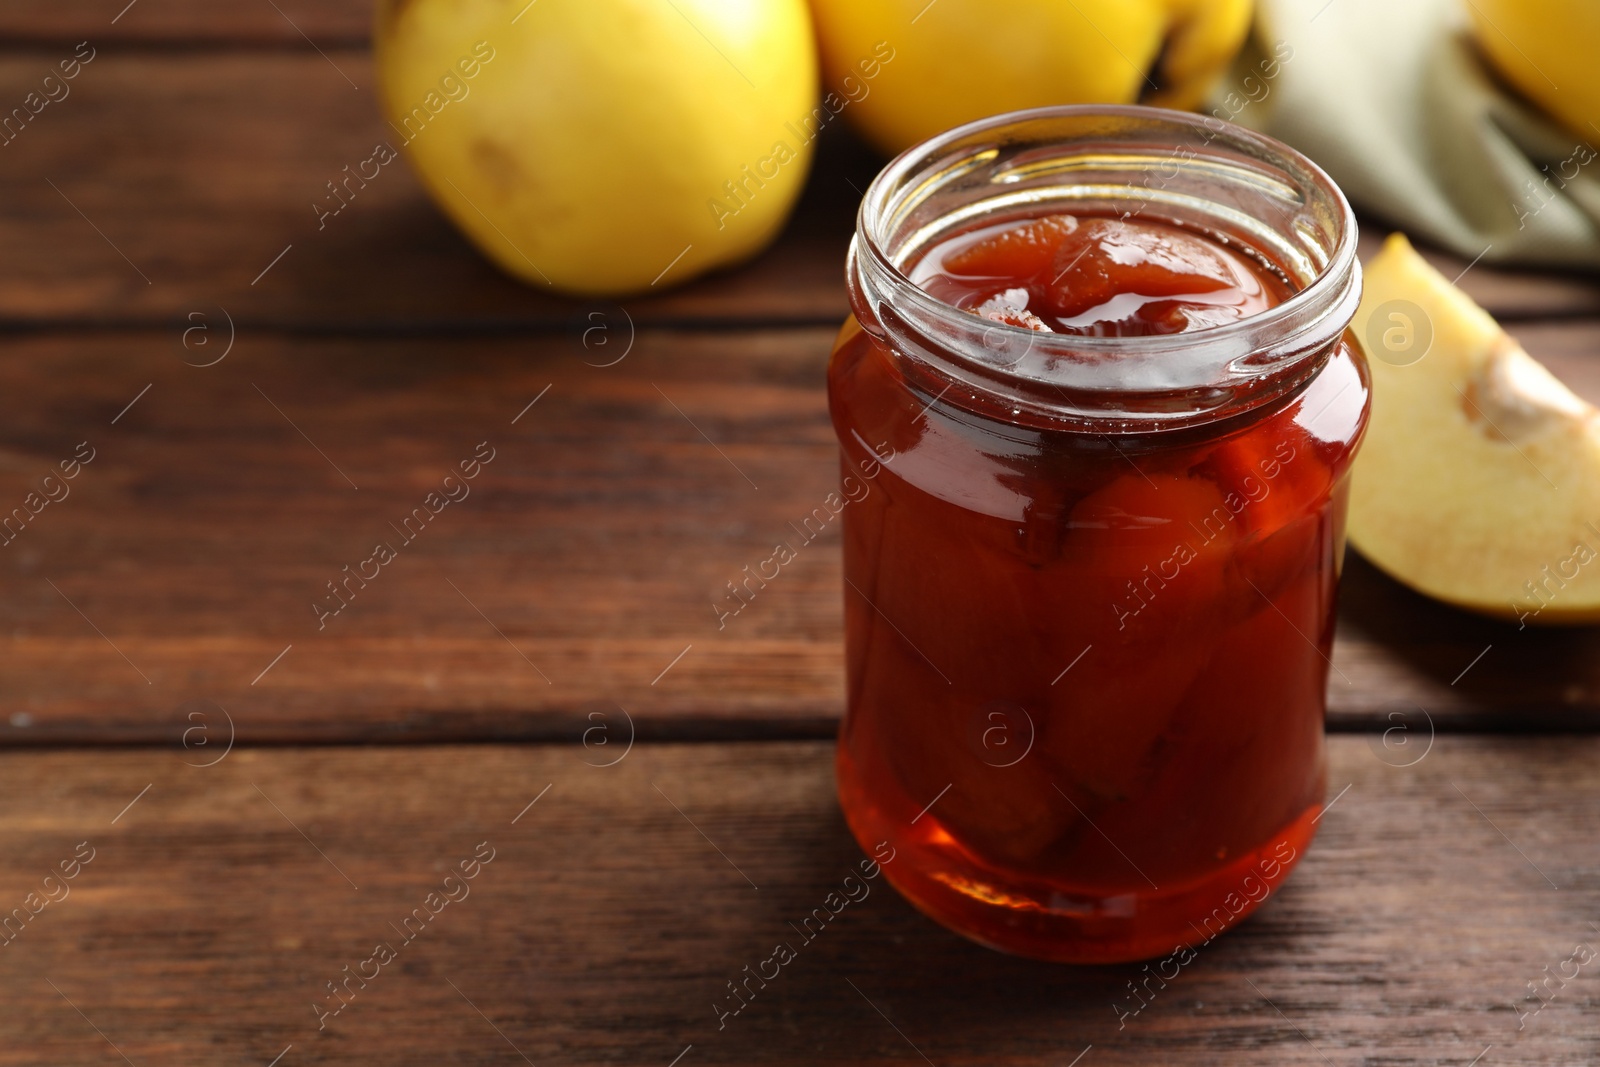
x=1196, y=172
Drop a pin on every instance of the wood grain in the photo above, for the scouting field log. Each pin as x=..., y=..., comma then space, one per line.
x=587, y=557
x=1510, y=294
x=220, y=158
x=218, y=906
x=298, y=24
x=589, y=552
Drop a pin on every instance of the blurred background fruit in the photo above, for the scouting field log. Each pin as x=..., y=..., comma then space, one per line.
x=1547, y=50
x=1479, y=481
x=958, y=60
x=597, y=146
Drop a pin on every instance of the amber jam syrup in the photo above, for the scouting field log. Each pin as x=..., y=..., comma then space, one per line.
x=1087, y=670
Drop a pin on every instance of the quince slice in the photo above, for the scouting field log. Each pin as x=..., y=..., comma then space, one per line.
x=1479, y=482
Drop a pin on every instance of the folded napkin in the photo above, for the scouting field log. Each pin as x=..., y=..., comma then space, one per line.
x=1394, y=100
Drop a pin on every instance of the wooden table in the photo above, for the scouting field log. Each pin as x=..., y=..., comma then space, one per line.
x=539, y=676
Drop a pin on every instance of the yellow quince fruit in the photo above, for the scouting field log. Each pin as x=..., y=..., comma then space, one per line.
x=904, y=70
x=1546, y=49
x=1479, y=482
x=603, y=146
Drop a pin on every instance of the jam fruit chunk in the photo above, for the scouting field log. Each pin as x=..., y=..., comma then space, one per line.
x=1138, y=575
x=1011, y=308
x=1013, y=252
x=1100, y=276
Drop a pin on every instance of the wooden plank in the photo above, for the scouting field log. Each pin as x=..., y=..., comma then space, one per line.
x=590, y=552
x=1511, y=294
x=219, y=160
x=298, y=24
x=607, y=926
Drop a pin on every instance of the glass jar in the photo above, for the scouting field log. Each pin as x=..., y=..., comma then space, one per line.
x=1090, y=580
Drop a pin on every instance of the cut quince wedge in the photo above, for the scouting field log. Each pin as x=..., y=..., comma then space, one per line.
x=1479, y=481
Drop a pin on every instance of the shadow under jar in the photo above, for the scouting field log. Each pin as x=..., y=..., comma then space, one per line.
x=1090, y=573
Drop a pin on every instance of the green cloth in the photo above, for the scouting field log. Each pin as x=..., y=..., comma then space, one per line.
x=1393, y=99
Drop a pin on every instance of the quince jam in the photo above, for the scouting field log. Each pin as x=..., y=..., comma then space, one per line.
x=1087, y=668
x=1100, y=277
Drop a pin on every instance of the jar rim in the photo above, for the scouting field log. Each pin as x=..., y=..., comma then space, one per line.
x=1242, y=358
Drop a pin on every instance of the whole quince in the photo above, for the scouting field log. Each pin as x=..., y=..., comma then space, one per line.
x=1546, y=49
x=903, y=70
x=603, y=146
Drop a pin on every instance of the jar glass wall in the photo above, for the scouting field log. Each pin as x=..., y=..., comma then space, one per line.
x=1090, y=580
